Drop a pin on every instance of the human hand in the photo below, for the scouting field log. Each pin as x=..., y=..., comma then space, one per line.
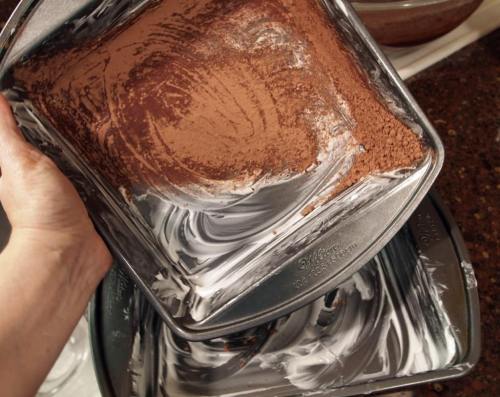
x=42, y=205
x=51, y=266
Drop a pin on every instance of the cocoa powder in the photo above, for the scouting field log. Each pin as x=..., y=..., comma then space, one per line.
x=195, y=91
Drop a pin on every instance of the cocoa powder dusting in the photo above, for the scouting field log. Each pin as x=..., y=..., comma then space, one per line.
x=388, y=144
x=195, y=91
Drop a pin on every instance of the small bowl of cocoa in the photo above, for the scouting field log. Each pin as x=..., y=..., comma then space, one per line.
x=410, y=22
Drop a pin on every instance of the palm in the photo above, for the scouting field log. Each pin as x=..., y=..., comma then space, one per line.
x=43, y=207
x=37, y=196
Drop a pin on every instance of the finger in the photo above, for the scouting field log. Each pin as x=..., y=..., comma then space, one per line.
x=6, y=117
x=11, y=140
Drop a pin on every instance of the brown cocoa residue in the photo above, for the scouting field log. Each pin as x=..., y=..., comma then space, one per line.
x=189, y=92
x=416, y=25
x=388, y=143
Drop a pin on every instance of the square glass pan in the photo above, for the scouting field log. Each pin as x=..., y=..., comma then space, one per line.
x=409, y=316
x=353, y=227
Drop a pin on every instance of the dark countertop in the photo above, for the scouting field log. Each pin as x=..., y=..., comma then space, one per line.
x=461, y=96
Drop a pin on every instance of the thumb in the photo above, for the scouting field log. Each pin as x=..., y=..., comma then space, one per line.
x=12, y=143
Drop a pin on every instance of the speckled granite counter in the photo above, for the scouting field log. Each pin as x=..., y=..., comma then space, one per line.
x=461, y=96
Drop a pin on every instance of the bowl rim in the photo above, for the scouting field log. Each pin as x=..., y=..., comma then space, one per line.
x=359, y=5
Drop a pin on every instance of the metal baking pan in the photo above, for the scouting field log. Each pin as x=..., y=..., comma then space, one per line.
x=352, y=229
x=409, y=316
